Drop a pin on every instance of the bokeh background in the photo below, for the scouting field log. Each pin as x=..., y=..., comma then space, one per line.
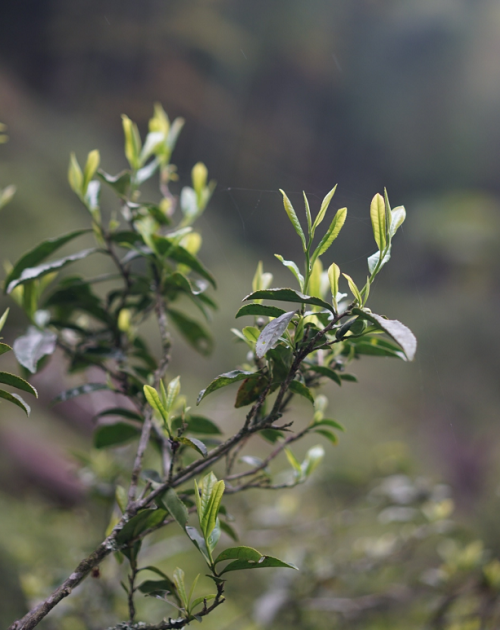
x=283, y=94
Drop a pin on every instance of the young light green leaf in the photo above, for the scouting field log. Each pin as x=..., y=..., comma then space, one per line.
x=328, y=435
x=333, y=277
x=154, y=401
x=398, y=215
x=374, y=258
x=132, y=142
x=326, y=371
x=178, y=577
x=312, y=460
x=271, y=334
x=3, y=319
x=222, y=381
x=354, y=289
x=75, y=175
x=308, y=213
x=16, y=381
x=176, y=507
x=212, y=508
x=322, y=211
x=289, y=264
x=16, y=400
x=91, y=167
x=331, y=234
x=200, y=600
x=378, y=218
x=401, y=334
x=251, y=334
x=191, y=590
x=293, y=218
x=6, y=195
x=173, y=390
x=214, y=536
x=195, y=444
x=259, y=310
x=294, y=463
x=32, y=346
x=299, y=388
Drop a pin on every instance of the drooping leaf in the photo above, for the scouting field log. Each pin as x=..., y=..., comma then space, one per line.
x=108, y=435
x=289, y=264
x=193, y=332
x=198, y=541
x=195, y=444
x=331, y=234
x=299, y=388
x=287, y=295
x=32, y=346
x=39, y=253
x=221, y=381
x=250, y=390
x=88, y=388
x=227, y=529
x=16, y=381
x=271, y=334
x=16, y=400
x=259, y=310
x=401, y=334
x=293, y=219
x=378, y=218
x=176, y=507
x=326, y=371
x=31, y=273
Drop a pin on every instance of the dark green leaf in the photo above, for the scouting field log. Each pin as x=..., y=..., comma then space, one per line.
x=114, y=434
x=4, y=348
x=221, y=381
x=281, y=359
x=299, y=388
x=328, y=372
x=176, y=507
x=197, y=424
x=238, y=553
x=34, y=345
x=250, y=390
x=165, y=247
x=158, y=587
x=227, y=529
x=16, y=381
x=193, y=332
x=139, y=523
x=31, y=273
x=121, y=411
x=375, y=346
x=199, y=541
x=195, y=444
x=16, y=400
x=271, y=435
x=329, y=423
x=271, y=334
x=88, y=388
x=395, y=329
x=328, y=434
x=119, y=183
x=248, y=558
x=259, y=310
x=350, y=378
x=287, y=295
x=39, y=253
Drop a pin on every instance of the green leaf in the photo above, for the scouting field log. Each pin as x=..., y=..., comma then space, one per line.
x=214, y=536
x=326, y=371
x=196, y=424
x=299, y=388
x=354, y=289
x=154, y=401
x=294, y=463
x=91, y=167
x=271, y=435
x=34, y=345
x=198, y=541
x=173, y=390
x=289, y=264
x=178, y=576
x=16, y=381
x=16, y=400
x=238, y=553
x=323, y=209
x=197, y=336
x=281, y=359
x=119, y=183
x=158, y=587
x=333, y=277
x=287, y=295
x=212, y=510
x=31, y=273
x=398, y=216
x=132, y=142
x=248, y=558
x=271, y=334
x=251, y=334
x=4, y=348
x=250, y=390
x=139, y=523
x=329, y=423
x=221, y=381
x=331, y=234
x=176, y=507
x=312, y=460
x=293, y=218
x=88, y=388
x=350, y=378
x=166, y=248
x=6, y=195
x=374, y=258
x=3, y=319
x=227, y=529
x=195, y=444
x=377, y=215
x=117, y=434
x=201, y=600
x=401, y=334
x=259, y=310
x=39, y=253
x=120, y=411
x=374, y=346
x=328, y=435
x=75, y=175
x=308, y=213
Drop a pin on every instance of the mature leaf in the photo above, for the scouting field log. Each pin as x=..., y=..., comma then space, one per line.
x=324, y=207
x=39, y=253
x=31, y=273
x=248, y=558
x=119, y=183
x=271, y=334
x=16, y=400
x=120, y=411
x=165, y=247
x=373, y=346
x=117, y=434
x=299, y=388
x=331, y=234
x=287, y=295
x=378, y=218
x=139, y=523
x=88, y=388
x=328, y=435
x=4, y=348
x=196, y=424
x=350, y=378
x=34, y=345
x=176, y=507
x=16, y=381
x=326, y=371
x=238, y=553
x=293, y=218
x=329, y=423
x=221, y=381
x=201, y=600
x=289, y=264
x=259, y=310
x=271, y=435
x=198, y=541
x=193, y=332
x=401, y=334
x=158, y=587
x=250, y=390
x=195, y=444
x=227, y=529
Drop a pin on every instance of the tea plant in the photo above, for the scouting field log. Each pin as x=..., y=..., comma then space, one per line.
x=154, y=250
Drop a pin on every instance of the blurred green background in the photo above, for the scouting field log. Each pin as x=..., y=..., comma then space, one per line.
x=284, y=94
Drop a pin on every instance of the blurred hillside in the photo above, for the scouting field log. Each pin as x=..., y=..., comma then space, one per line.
x=293, y=95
